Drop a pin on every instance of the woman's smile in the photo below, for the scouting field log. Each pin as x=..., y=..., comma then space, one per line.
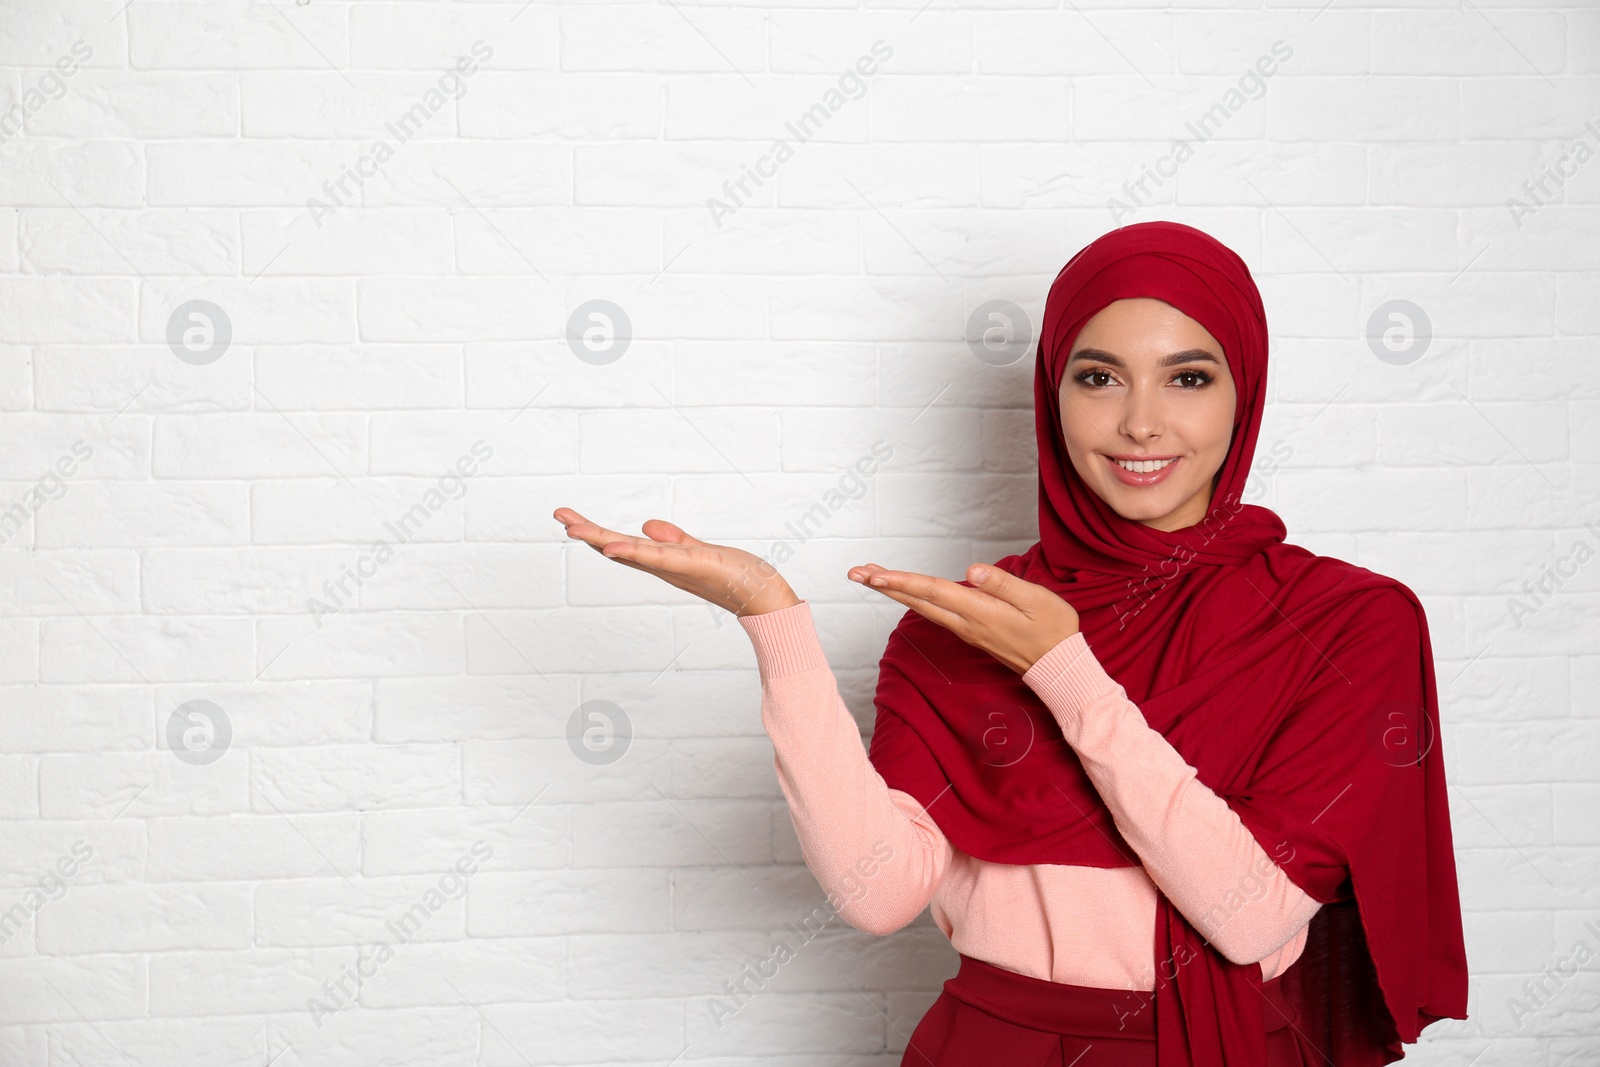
x=1141, y=472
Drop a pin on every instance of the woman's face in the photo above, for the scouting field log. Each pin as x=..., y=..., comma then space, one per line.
x=1147, y=383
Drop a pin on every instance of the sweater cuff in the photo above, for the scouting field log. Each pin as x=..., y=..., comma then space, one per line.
x=1069, y=678
x=785, y=640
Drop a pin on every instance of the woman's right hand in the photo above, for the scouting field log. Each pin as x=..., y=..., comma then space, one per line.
x=730, y=578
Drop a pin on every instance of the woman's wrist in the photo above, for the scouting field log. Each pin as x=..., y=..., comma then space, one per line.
x=1050, y=644
x=769, y=601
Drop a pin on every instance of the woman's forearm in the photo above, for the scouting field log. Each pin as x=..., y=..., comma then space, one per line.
x=1193, y=846
x=875, y=852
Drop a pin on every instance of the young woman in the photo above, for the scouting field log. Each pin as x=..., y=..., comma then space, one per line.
x=1173, y=787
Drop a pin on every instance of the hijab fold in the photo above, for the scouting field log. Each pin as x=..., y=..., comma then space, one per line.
x=1301, y=688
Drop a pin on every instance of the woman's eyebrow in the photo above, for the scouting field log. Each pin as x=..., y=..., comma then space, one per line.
x=1188, y=355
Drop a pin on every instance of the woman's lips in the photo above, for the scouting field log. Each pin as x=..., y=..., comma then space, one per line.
x=1128, y=477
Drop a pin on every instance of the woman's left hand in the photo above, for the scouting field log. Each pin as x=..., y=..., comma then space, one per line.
x=1013, y=620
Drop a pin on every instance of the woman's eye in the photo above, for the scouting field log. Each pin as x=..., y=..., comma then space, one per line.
x=1092, y=378
x=1193, y=379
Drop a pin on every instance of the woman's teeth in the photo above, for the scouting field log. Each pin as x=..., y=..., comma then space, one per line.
x=1143, y=466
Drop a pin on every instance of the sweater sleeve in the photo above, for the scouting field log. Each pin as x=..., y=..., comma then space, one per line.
x=1193, y=846
x=875, y=851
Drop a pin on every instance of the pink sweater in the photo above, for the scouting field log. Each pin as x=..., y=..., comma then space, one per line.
x=875, y=849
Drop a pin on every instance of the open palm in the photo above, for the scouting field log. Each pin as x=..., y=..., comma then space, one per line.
x=731, y=578
x=1014, y=620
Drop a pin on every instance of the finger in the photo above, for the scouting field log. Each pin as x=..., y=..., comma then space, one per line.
x=577, y=526
x=682, y=566
x=666, y=557
x=671, y=554
x=978, y=604
x=662, y=530
x=864, y=573
x=951, y=596
x=956, y=624
x=1003, y=584
x=600, y=538
x=896, y=590
x=595, y=536
x=695, y=567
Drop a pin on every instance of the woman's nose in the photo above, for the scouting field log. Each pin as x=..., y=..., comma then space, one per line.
x=1142, y=415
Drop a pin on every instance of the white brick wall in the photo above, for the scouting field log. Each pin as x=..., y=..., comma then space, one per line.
x=165, y=910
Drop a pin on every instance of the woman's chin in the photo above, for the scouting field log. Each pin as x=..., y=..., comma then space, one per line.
x=1156, y=506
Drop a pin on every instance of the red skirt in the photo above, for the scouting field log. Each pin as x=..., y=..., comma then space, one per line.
x=988, y=1015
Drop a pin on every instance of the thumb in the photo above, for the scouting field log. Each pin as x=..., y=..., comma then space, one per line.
x=662, y=530
x=999, y=583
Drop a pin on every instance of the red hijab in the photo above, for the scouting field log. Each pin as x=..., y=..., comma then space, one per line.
x=1300, y=687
